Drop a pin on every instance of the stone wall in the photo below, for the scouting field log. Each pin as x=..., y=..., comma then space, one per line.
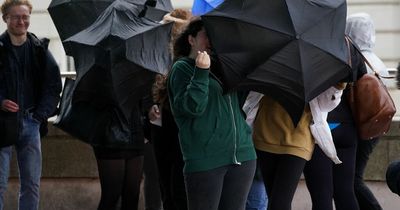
x=70, y=179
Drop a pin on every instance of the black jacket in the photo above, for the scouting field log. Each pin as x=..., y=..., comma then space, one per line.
x=46, y=79
x=342, y=113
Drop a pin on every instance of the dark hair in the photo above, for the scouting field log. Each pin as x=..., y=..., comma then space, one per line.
x=393, y=177
x=181, y=45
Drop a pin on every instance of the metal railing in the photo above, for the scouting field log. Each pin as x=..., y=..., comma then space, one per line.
x=392, y=71
x=391, y=82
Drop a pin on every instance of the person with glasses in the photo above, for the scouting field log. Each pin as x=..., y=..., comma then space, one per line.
x=30, y=86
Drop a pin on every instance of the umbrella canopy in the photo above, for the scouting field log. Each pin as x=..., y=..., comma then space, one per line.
x=118, y=22
x=200, y=7
x=121, y=85
x=72, y=16
x=97, y=125
x=119, y=54
x=154, y=9
x=292, y=50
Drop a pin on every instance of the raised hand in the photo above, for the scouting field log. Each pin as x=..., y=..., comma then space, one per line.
x=203, y=60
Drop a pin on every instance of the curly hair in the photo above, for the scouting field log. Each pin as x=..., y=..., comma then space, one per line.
x=159, y=89
x=181, y=45
x=178, y=27
x=7, y=4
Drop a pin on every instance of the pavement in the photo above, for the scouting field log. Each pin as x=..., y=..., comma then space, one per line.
x=387, y=199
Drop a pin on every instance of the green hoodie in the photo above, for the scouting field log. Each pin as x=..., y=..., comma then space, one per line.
x=212, y=129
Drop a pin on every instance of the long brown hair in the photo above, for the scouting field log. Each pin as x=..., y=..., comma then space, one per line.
x=178, y=27
x=159, y=89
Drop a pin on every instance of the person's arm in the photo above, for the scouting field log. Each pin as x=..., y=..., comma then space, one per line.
x=2, y=87
x=6, y=104
x=189, y=89
x=169, y=18
x=50, y=91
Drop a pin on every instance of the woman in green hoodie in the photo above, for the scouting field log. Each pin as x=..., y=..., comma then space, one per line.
x=216, y=143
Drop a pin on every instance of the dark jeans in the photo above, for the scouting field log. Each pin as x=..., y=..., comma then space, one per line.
x=223, y=188
x=281, y=174
x=326, y=180
x=29, y=157
x=366, y=200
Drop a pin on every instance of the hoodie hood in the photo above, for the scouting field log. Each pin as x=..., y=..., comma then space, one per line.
x=360, y=28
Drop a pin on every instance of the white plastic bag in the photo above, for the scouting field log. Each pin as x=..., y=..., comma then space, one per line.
x=320, y=106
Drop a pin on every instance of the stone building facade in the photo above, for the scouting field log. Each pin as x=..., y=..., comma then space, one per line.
x=385, y=13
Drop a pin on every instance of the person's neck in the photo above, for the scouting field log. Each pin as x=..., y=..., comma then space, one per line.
x=18, y=40
x=193, y=55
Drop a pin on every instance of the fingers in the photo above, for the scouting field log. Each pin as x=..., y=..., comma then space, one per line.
x=203, y=60
x=167, y=18
x=156, y=109
x=10, y=106
x=154, y=113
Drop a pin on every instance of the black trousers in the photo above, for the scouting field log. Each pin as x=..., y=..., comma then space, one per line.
x=366, y=199
x=281, y=175
x=326, y=180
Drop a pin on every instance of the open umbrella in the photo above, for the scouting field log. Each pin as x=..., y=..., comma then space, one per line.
x=154, y=9
x=72, y=16
x=131, y=50
x=99, y=105
x=292, y=50
x=119, y=22
x=92, y=122
x=200, y=7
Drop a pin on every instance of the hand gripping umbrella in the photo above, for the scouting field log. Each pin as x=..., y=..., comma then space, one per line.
x=292, y=50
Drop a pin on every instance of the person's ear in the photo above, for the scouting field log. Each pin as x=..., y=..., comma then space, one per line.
x=191, y=39
x=4, y=18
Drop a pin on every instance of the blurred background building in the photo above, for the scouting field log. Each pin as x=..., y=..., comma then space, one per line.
x=70, y=179
x=385, y=14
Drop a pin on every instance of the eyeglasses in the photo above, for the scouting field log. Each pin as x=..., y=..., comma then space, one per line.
x=16, y=18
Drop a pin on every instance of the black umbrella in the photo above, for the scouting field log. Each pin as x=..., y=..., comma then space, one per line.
x=72, y=16
x=98, y=107
x=292, y=50
x=130, y=50
x=119, y=22
x=92, y=122
x=154, y=9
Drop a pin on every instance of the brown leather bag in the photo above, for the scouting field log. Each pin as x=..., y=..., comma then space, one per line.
x=371, y=104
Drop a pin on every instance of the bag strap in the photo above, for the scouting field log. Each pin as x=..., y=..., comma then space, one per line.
x=349, y=40
x=348, y=50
